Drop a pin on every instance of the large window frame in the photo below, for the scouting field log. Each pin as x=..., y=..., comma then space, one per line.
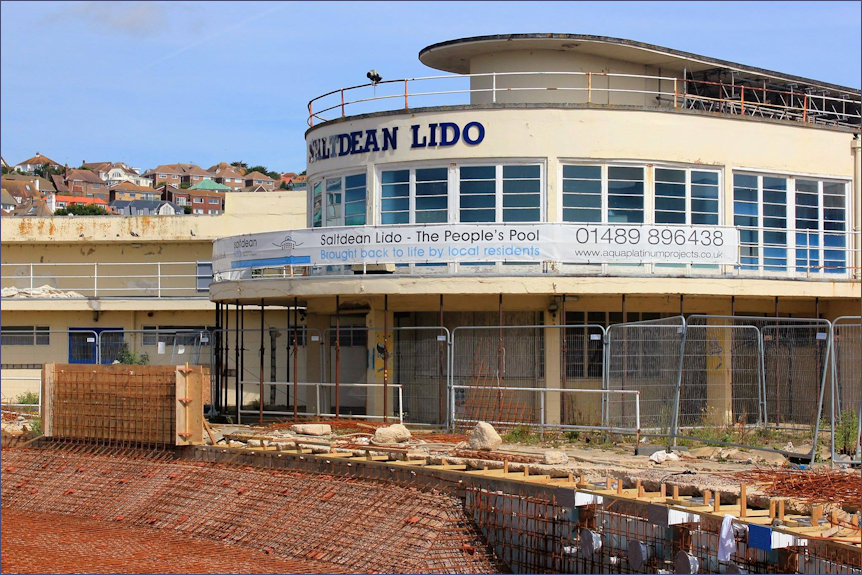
x=803, y=228
x=605, y=192
x=411, y=193
x=339, y=199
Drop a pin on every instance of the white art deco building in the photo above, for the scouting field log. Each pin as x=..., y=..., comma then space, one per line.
x=551, y=179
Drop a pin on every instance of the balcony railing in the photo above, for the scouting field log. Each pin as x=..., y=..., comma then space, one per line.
x=79, y=280
x=809, y=261
x=808, y=106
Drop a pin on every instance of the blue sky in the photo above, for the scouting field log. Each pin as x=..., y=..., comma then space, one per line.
x=162, y=82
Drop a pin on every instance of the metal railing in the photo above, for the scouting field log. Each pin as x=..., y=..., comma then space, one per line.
x=593, y=88
x=540, y=420
x=812, y=261
x=317, y=411
x=80, y=280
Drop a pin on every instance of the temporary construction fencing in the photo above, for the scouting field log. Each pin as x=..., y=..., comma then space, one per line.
x=846, y=407
x=723, y=379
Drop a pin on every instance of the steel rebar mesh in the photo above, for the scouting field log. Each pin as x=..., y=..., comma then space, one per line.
x=341, y=521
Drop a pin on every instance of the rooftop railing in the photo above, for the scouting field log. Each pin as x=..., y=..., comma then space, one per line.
x=805, y=105
x=80, y=280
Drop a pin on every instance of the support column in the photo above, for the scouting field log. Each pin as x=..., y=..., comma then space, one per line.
x=375, y=321
x=553, y=370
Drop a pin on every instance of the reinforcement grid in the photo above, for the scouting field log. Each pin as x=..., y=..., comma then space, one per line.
x=348, y=524
x=540, y=535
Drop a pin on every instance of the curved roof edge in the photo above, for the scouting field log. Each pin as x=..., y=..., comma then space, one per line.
x=439, y=56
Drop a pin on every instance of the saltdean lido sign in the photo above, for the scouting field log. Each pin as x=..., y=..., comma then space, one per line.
x=461, y=243
x=431, y=135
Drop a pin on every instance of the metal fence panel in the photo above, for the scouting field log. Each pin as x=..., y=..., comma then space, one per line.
x=646, y=356
x=487, y=359
x=847, y=387
x=722, y=380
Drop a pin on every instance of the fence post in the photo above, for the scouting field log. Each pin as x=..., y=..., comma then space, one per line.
x=31, y=278
x=96, y=279
x=589, y=87
x=494, y=88
x=310, y=116
x=675, y=418
x=406, y=107
x=159, y=279
x=675, y=94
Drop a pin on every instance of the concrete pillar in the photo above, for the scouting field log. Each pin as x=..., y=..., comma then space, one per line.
x=375, y=321
x=719, y=381
x=553, y=377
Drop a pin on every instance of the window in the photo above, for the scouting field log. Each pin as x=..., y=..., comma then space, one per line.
x=500, y=193
x=354, y=200
x=174, y=334
x=617, y=194
x=582, y=194
x=197, y=211
x=789, y=222
x=760, y=213
x=181, y=201
x=395, y=197
x=197, y=200
x=214, y=201
x=821, y=223
x=625, y=195
x=343, y=201
x=686, y=196
x=317, y=204
x=25, y=335
x=213, y=212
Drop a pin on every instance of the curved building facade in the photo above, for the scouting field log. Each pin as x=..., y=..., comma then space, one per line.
x=551, y=180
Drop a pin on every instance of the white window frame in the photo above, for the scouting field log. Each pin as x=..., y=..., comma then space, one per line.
x=453, y=185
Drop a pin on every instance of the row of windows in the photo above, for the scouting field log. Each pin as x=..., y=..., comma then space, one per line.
x=514, y=193
x=775, y=213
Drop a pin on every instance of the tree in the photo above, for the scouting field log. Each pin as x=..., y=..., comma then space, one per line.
x=241, y=165
x=81, y=210
x=187, y=209
x=284, y=186
x=4, y=170
x=46, y=170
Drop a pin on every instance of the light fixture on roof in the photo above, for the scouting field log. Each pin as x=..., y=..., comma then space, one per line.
x=374, y=77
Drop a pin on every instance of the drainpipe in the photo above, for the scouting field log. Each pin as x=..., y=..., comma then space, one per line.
x=857, y=194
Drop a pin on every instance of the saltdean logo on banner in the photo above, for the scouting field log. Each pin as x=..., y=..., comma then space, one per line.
x=456, y=243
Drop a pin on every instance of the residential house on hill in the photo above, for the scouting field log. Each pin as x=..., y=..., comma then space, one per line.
x=199, y=201
x=41, y=184
x=177, y=174
x=146, y=208
x=112, y=173
x=20, y=190
x=257, y=179
x=127, y=191
x=7, y=202
x=32, y=207
x=86, y=183
x=29, y=165
x=228, y=175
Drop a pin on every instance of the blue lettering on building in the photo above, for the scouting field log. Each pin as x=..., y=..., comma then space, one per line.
x=432, y=135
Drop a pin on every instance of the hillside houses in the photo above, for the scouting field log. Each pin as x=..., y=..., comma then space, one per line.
x=40, y=184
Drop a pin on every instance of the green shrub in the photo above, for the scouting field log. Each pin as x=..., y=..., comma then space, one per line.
x=28, y=398
x=125, y=356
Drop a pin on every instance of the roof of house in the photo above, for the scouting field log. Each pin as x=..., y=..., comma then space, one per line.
x=39, y=159
x=34, y=207
x=178, y=169
x=83, y=200
x=98, y=166
x=20, y=189
x=45, y=185
x=255, y=188
x=59, y=183
x=151, y=205
x=83, y=175
x=210, y=185
x=131, y=187
x=257, y=176
x=6, y=198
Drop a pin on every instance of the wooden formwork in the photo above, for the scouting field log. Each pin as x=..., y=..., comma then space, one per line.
x=125, y=404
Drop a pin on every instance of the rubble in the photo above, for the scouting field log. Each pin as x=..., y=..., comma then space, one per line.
x=396, y=433
x=485, y=437
x=311, y=429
